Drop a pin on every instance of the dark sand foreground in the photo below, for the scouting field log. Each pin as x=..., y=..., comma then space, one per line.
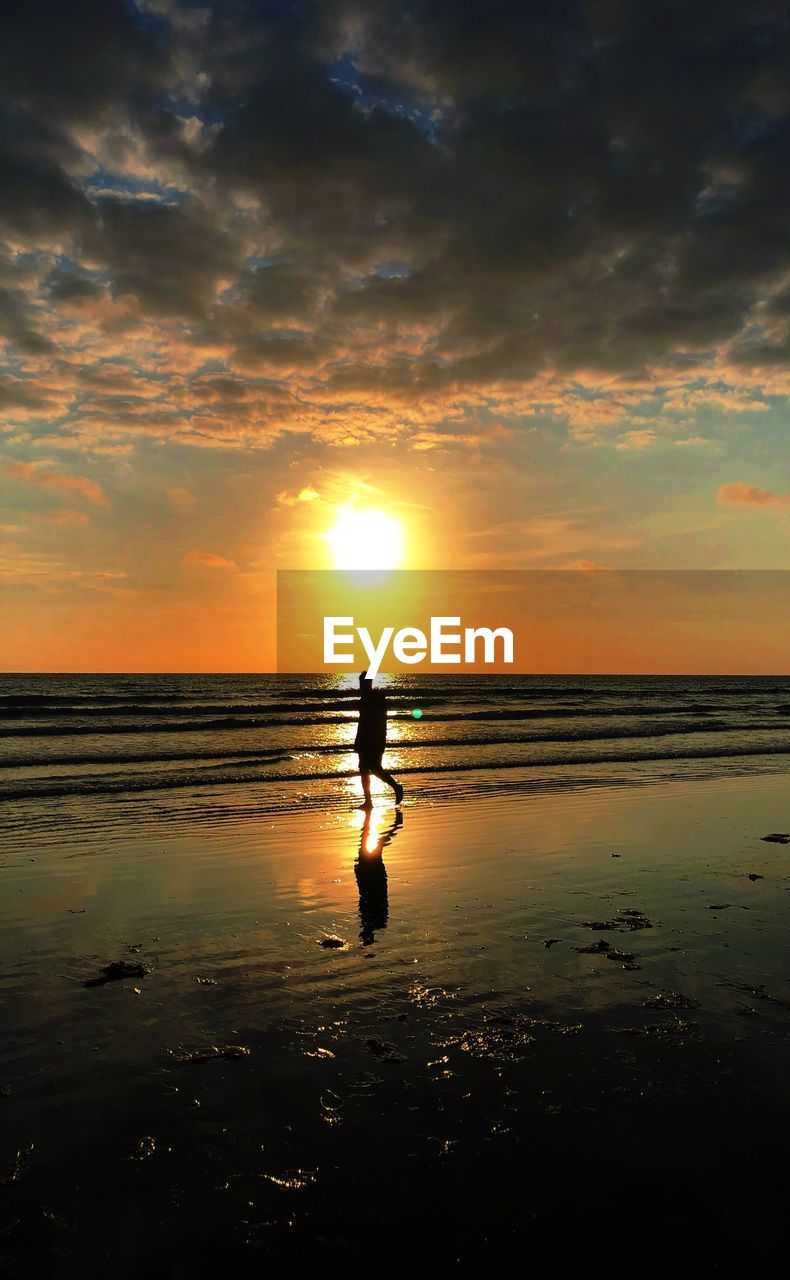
x=483, y=1034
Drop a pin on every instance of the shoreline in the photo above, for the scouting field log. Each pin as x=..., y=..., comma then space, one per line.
x=27, y=818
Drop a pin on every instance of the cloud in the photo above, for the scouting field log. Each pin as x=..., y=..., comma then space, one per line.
x=33, y=473
x=181, y=500
x=207, y=560
x=355, y=223
x=746, y=495
x=641, y=438
x=448, y=240
x=293, y=497
x=727, y=401
x=67, y=517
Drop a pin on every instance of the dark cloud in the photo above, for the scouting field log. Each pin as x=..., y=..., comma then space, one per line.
x=80, y=59
x=18, y=323
x=169, y=258
x=38, y=194
x=72, y=288
x=563, y=186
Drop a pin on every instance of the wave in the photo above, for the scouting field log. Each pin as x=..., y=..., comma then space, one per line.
x=190, y=736
x=62, y=787
x=196, y=709
x=237, y=722
x=654, y=730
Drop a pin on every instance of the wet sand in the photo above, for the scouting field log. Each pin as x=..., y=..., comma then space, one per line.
x=428, y=1041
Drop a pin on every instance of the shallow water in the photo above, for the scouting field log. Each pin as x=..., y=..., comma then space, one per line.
x=440, y=1070
x=79, y=737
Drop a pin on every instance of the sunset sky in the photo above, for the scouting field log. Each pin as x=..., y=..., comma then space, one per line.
x=515, y=275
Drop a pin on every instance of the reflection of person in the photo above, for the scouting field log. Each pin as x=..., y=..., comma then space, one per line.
x=371, y=739
x=371, y=877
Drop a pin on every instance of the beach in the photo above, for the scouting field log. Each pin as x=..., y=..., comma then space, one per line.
x=544, y=1007
x=394, y=680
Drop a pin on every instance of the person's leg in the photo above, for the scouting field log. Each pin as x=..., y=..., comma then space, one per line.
x=391, y=782
x=365, y=776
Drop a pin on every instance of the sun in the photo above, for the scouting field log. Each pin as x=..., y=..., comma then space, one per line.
x=366, y=538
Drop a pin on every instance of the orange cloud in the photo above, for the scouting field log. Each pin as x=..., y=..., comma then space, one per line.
x=290, y=498
x=746, y=495
x=65, y=516
x=181, y=500
x=726, y=401
x=640, y=439
x=207, y=560
x=31, y=473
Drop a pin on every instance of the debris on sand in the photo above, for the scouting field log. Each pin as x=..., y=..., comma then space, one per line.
x=548, y=1024
x=115, y=971
x=754, y=876
x=293, y=1180
x=332, y=943
x=758, y=993
x=718, y=906
x=206, y=982
x=594, y=949
x=144, y=1149
x=19, y=1167
x=551, y=942
x=134, y=948
x=626, y=958
x=504, y=1037
x=662, y=1030
x=633, y=919
x=670, y=1000
x=777, y=837
x=617, y=855
x=384, y=1050
x=214, y=1053
x=677, y=1027
x=630, y=918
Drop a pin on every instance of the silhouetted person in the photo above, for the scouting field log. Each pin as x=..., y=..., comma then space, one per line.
x=371, y=739
x=371, y=877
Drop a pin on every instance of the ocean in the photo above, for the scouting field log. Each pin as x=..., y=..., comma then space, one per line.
x=104, y=746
